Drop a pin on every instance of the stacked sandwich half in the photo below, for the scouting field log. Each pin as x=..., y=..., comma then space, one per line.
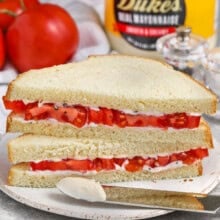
x=112, y=118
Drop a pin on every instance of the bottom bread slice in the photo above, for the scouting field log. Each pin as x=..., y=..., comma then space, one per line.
x=20, y=175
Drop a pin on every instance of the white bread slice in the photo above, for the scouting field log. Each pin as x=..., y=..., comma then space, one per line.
x=200, y=136
x=117, y=82
x=29, y=147
x=20, y=176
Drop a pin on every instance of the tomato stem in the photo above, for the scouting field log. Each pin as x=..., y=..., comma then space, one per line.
x=8, y=12
x=22, y=5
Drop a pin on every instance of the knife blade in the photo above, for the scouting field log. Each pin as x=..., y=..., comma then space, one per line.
x=158, y=199
x=89, y=190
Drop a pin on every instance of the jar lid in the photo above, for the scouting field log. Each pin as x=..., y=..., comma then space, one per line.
x=212, y=61
x=182, y=45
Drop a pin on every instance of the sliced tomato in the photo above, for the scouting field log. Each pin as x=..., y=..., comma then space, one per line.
x=173, y=158
x=177, y=120
x=189, y=160
x=76, y=115
x=120, y=119
x=119, y=161
x=16, y=106
x=64, y=114
x=38, y=113
x=97, y=164
x=108, y=116
x=79, y=116
x=133, y=165
x=53, y=166
x=95, y=116
x=181, y=156
x=150, y=162
x=108, y=164
x=201, y=153
x=163, y=160
x=79, y=165
x=43, y=165
x=193, y=121
x=137, y=121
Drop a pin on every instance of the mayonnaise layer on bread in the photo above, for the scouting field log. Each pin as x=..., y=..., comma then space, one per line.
x=93, y=125
x=173, y=165
x=80, y=116
x=126, y=111
x=132, y=164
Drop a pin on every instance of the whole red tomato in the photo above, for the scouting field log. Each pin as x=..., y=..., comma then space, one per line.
x=41, y=37
x=10, y=8
x=2, y=50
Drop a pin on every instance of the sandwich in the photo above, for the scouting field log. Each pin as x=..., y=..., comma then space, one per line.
x=112, y=118
x=114, y=97
x=42, y=161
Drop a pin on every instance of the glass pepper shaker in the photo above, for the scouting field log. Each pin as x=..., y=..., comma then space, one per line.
x=183, y=50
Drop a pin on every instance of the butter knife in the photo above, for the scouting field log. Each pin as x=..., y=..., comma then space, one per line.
x=89, y=190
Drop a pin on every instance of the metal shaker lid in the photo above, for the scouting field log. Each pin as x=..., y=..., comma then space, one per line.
x=182, y=45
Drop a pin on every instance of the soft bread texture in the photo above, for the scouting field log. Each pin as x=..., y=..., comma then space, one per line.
x=117, y=82
x=28, y=148
x=19, y=175
x=200, y=136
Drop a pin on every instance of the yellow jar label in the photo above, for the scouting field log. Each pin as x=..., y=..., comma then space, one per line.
x=141, y=22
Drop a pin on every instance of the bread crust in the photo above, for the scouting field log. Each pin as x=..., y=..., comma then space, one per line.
x=126, y=96
x=192, y=137
x=20, y=176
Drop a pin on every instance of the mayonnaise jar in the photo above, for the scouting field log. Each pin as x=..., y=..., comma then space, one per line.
x=133, y=26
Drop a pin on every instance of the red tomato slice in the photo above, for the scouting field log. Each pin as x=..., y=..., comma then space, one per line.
x=150, y=162
x=79, y=165
x=189, y=160
x=97, y=164
x=95, y=116
x=193, y=121
x=201, y=153
x=120, y=119
x=16, y=106
x=43, y=165
x=54, y=166
x=38, y=113
x=133, y=167
x=108, y=116
x=64, y=114
x=163, y=160
x=108, y=164
x=135, y=164
x=173, y=158
x=79, y=116
x=119, y=161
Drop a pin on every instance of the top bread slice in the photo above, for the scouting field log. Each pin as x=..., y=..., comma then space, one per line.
x=117, y=82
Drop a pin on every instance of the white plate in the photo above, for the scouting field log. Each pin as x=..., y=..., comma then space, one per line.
x=52, y=200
